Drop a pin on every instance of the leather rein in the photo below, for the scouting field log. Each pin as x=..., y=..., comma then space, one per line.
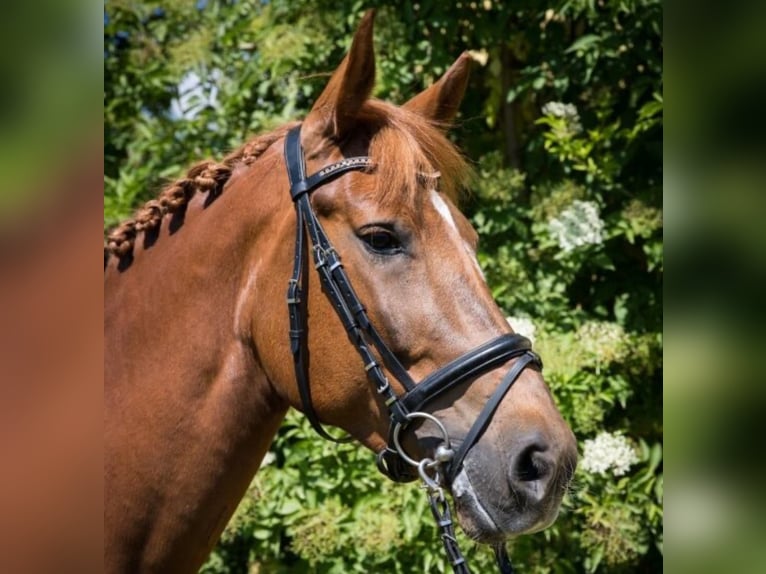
x=403, y=409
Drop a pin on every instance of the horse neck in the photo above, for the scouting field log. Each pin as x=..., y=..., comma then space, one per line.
x=181, y=310
x=190, y=410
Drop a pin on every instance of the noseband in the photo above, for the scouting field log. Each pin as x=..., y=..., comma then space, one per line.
x=403, y=409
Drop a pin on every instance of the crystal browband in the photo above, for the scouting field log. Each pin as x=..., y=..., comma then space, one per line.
x=347, y=162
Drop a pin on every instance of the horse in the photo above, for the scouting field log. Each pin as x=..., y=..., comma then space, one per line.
x=203, y=358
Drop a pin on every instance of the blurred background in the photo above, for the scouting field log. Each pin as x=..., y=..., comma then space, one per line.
x=51, y=323
x=715, y=199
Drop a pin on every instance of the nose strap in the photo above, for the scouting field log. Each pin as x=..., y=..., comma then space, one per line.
x=465, y=368
x=473, y=364
x=482, y=422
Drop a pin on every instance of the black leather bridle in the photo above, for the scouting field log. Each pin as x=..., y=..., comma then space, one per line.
x=405, y=409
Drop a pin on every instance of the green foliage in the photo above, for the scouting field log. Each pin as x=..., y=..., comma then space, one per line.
x=564, y=122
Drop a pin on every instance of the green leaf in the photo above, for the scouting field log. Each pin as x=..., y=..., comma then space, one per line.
x=289, y=506
x=262, y=534
x=583, y=43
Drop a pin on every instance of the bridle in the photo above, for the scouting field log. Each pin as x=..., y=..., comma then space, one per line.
x=403, y=410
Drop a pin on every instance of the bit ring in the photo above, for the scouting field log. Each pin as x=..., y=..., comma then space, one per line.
x=398, y=429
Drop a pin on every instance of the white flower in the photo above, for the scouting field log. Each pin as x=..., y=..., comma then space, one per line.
x=523, y=326
x=564, y=111
x=578, y=225
x=560, y=110
x=608, y=451
x=603, y=339
x=268, y=459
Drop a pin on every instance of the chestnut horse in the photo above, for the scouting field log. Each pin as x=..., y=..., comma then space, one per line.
x=198, y=364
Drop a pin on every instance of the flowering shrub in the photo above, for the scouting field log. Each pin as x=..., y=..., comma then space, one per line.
x=564, y=118
x=577, y=225
x=523, y=326
x=607, y=451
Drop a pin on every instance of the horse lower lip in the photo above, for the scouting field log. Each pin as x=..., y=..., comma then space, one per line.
x=473, y=517
x=488, y=524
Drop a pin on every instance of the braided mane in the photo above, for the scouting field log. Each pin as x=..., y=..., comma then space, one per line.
x=208, y=176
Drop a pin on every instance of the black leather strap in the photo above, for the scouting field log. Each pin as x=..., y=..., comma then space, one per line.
x=390, y=463
x=347, y=303
x=352, y=313
x=473, y=364
x=297, y=311
x=481, y=423
x=502, y=559
x=336, y=285
x=299, y=183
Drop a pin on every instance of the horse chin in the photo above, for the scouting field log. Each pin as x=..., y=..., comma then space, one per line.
x=494, y=519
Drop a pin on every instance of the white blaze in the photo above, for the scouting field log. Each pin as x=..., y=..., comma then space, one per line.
x=443, y=209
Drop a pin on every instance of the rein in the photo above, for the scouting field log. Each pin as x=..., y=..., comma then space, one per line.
x=403, y=409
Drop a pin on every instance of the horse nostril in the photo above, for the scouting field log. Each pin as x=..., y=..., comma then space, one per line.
x=531, y=470
x=531, y=467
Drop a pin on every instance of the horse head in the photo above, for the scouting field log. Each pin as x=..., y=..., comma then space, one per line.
x=390, y=217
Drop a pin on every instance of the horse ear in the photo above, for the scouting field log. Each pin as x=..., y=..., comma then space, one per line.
x=441, y=101
x=335, y=111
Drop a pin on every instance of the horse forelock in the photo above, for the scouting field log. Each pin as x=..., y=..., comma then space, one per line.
x=405, y=147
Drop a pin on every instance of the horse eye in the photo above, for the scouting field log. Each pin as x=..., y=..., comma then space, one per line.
x=381, y=241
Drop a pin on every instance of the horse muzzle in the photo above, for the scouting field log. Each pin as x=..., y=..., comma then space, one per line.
x=521, y=497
